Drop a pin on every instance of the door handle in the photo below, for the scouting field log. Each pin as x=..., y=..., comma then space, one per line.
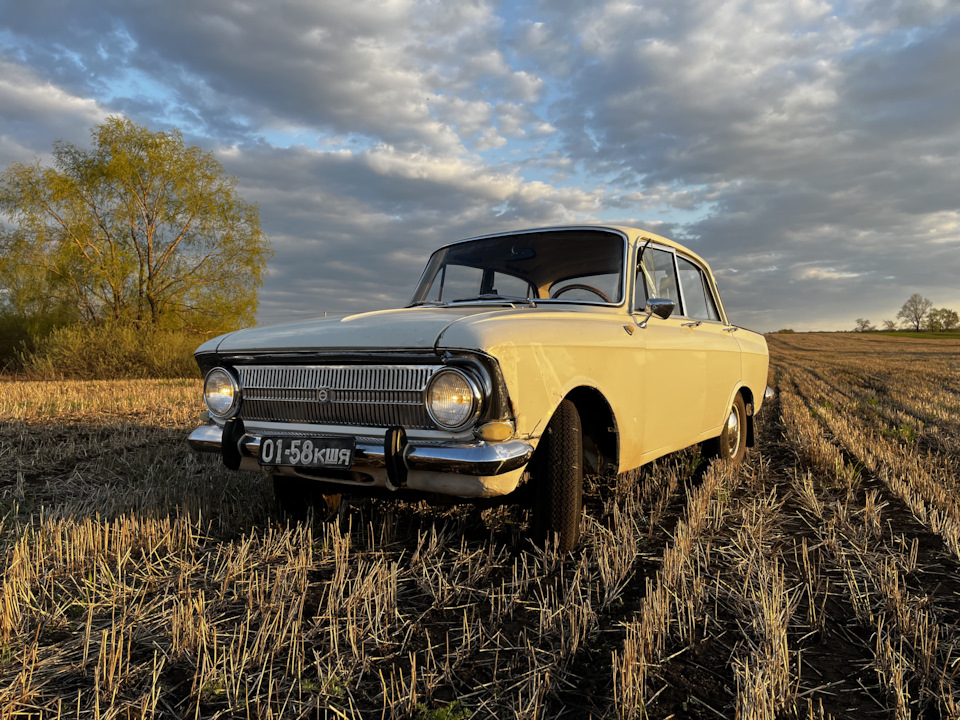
x=696, y=323
x=732, y=328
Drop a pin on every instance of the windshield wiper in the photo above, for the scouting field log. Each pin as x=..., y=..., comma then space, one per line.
x=431, y=303
x=495, y=297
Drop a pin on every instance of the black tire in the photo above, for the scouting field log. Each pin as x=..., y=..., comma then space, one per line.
x=731, y=445
x=558, y=479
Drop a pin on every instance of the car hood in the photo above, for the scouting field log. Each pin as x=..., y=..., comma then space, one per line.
x=407, y=328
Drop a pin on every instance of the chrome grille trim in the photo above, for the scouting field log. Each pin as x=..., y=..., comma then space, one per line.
x=364, y=395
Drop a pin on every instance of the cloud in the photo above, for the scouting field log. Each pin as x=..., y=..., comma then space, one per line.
x=34, y=112
x=802, y=129
x=810, y=150
x=823, y=273
x=359, y=226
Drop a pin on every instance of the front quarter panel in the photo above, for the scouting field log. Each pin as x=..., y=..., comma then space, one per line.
x=544, y=354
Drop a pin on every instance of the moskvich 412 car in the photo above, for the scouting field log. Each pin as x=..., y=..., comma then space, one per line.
x=524, y=360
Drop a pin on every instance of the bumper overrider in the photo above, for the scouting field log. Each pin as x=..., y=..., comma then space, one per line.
x=460, y=468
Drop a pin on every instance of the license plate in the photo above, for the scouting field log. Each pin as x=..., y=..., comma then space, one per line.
x=307, y=452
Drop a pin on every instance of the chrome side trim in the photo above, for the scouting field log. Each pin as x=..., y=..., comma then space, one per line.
x=468, y=458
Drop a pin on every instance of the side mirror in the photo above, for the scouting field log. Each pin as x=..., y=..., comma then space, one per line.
x=661, y=307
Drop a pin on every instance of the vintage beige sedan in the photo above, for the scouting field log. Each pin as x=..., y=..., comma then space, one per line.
x=524, y=360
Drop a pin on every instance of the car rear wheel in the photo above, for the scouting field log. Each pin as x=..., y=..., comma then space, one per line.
x=731, y=445
x=558, y=479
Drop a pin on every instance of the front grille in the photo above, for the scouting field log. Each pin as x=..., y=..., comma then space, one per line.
x=365, y=395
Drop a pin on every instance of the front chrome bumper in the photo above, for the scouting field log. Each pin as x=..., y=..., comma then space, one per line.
x=478, y=458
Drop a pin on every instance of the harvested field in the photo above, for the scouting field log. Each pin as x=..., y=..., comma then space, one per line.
x=823, y=580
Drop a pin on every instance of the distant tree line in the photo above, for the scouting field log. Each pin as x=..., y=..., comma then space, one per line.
x=140, y=231
x=917, y=313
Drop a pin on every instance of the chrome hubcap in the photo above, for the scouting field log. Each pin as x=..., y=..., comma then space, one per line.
x=733, y=433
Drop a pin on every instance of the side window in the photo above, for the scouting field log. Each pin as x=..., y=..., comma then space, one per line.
x=656, y=278
x=698, y=302
x=457, y=282
x=511, y=285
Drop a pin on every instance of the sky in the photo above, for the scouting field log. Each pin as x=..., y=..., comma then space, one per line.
x=808, y=150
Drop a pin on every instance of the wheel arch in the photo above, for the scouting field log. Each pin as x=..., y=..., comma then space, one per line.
x=601, y=437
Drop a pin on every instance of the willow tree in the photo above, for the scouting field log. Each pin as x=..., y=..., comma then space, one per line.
x=138, y=228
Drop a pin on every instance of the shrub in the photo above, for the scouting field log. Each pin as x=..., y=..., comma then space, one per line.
x=20, y=332
x=14, y=338
x=110, y=351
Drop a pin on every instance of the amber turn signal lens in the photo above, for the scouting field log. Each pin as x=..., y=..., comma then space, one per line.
x=495, y=431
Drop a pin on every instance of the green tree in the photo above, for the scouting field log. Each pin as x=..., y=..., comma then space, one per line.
x=914, y=310
x=28, y=311
x=942, y=319
x=950, y=319
x=863, y=325
x=140, y=227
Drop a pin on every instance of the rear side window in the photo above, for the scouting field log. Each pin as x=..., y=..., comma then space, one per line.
x=697, y=300
x=504, y=284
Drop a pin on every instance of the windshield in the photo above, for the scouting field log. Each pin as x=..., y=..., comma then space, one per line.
x=581, y=266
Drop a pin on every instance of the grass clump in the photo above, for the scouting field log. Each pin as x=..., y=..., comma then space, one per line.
x=111, y=351
x=451, y=711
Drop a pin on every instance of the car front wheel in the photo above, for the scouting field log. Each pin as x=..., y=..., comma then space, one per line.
x=731, y=445
x=558, y=478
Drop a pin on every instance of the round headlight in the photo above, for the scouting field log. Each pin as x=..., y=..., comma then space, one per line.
x=453, y=399
x=220, y=392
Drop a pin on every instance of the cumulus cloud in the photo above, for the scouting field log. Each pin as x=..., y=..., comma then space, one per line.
x=809, y=149
x=801, y=128
x=33, y=112
x=359, y=226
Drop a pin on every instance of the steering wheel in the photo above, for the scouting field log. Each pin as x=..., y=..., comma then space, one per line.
x=581, y=286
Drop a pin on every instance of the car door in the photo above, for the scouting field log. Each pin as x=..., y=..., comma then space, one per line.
x=675, y=374
x=721, y=349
